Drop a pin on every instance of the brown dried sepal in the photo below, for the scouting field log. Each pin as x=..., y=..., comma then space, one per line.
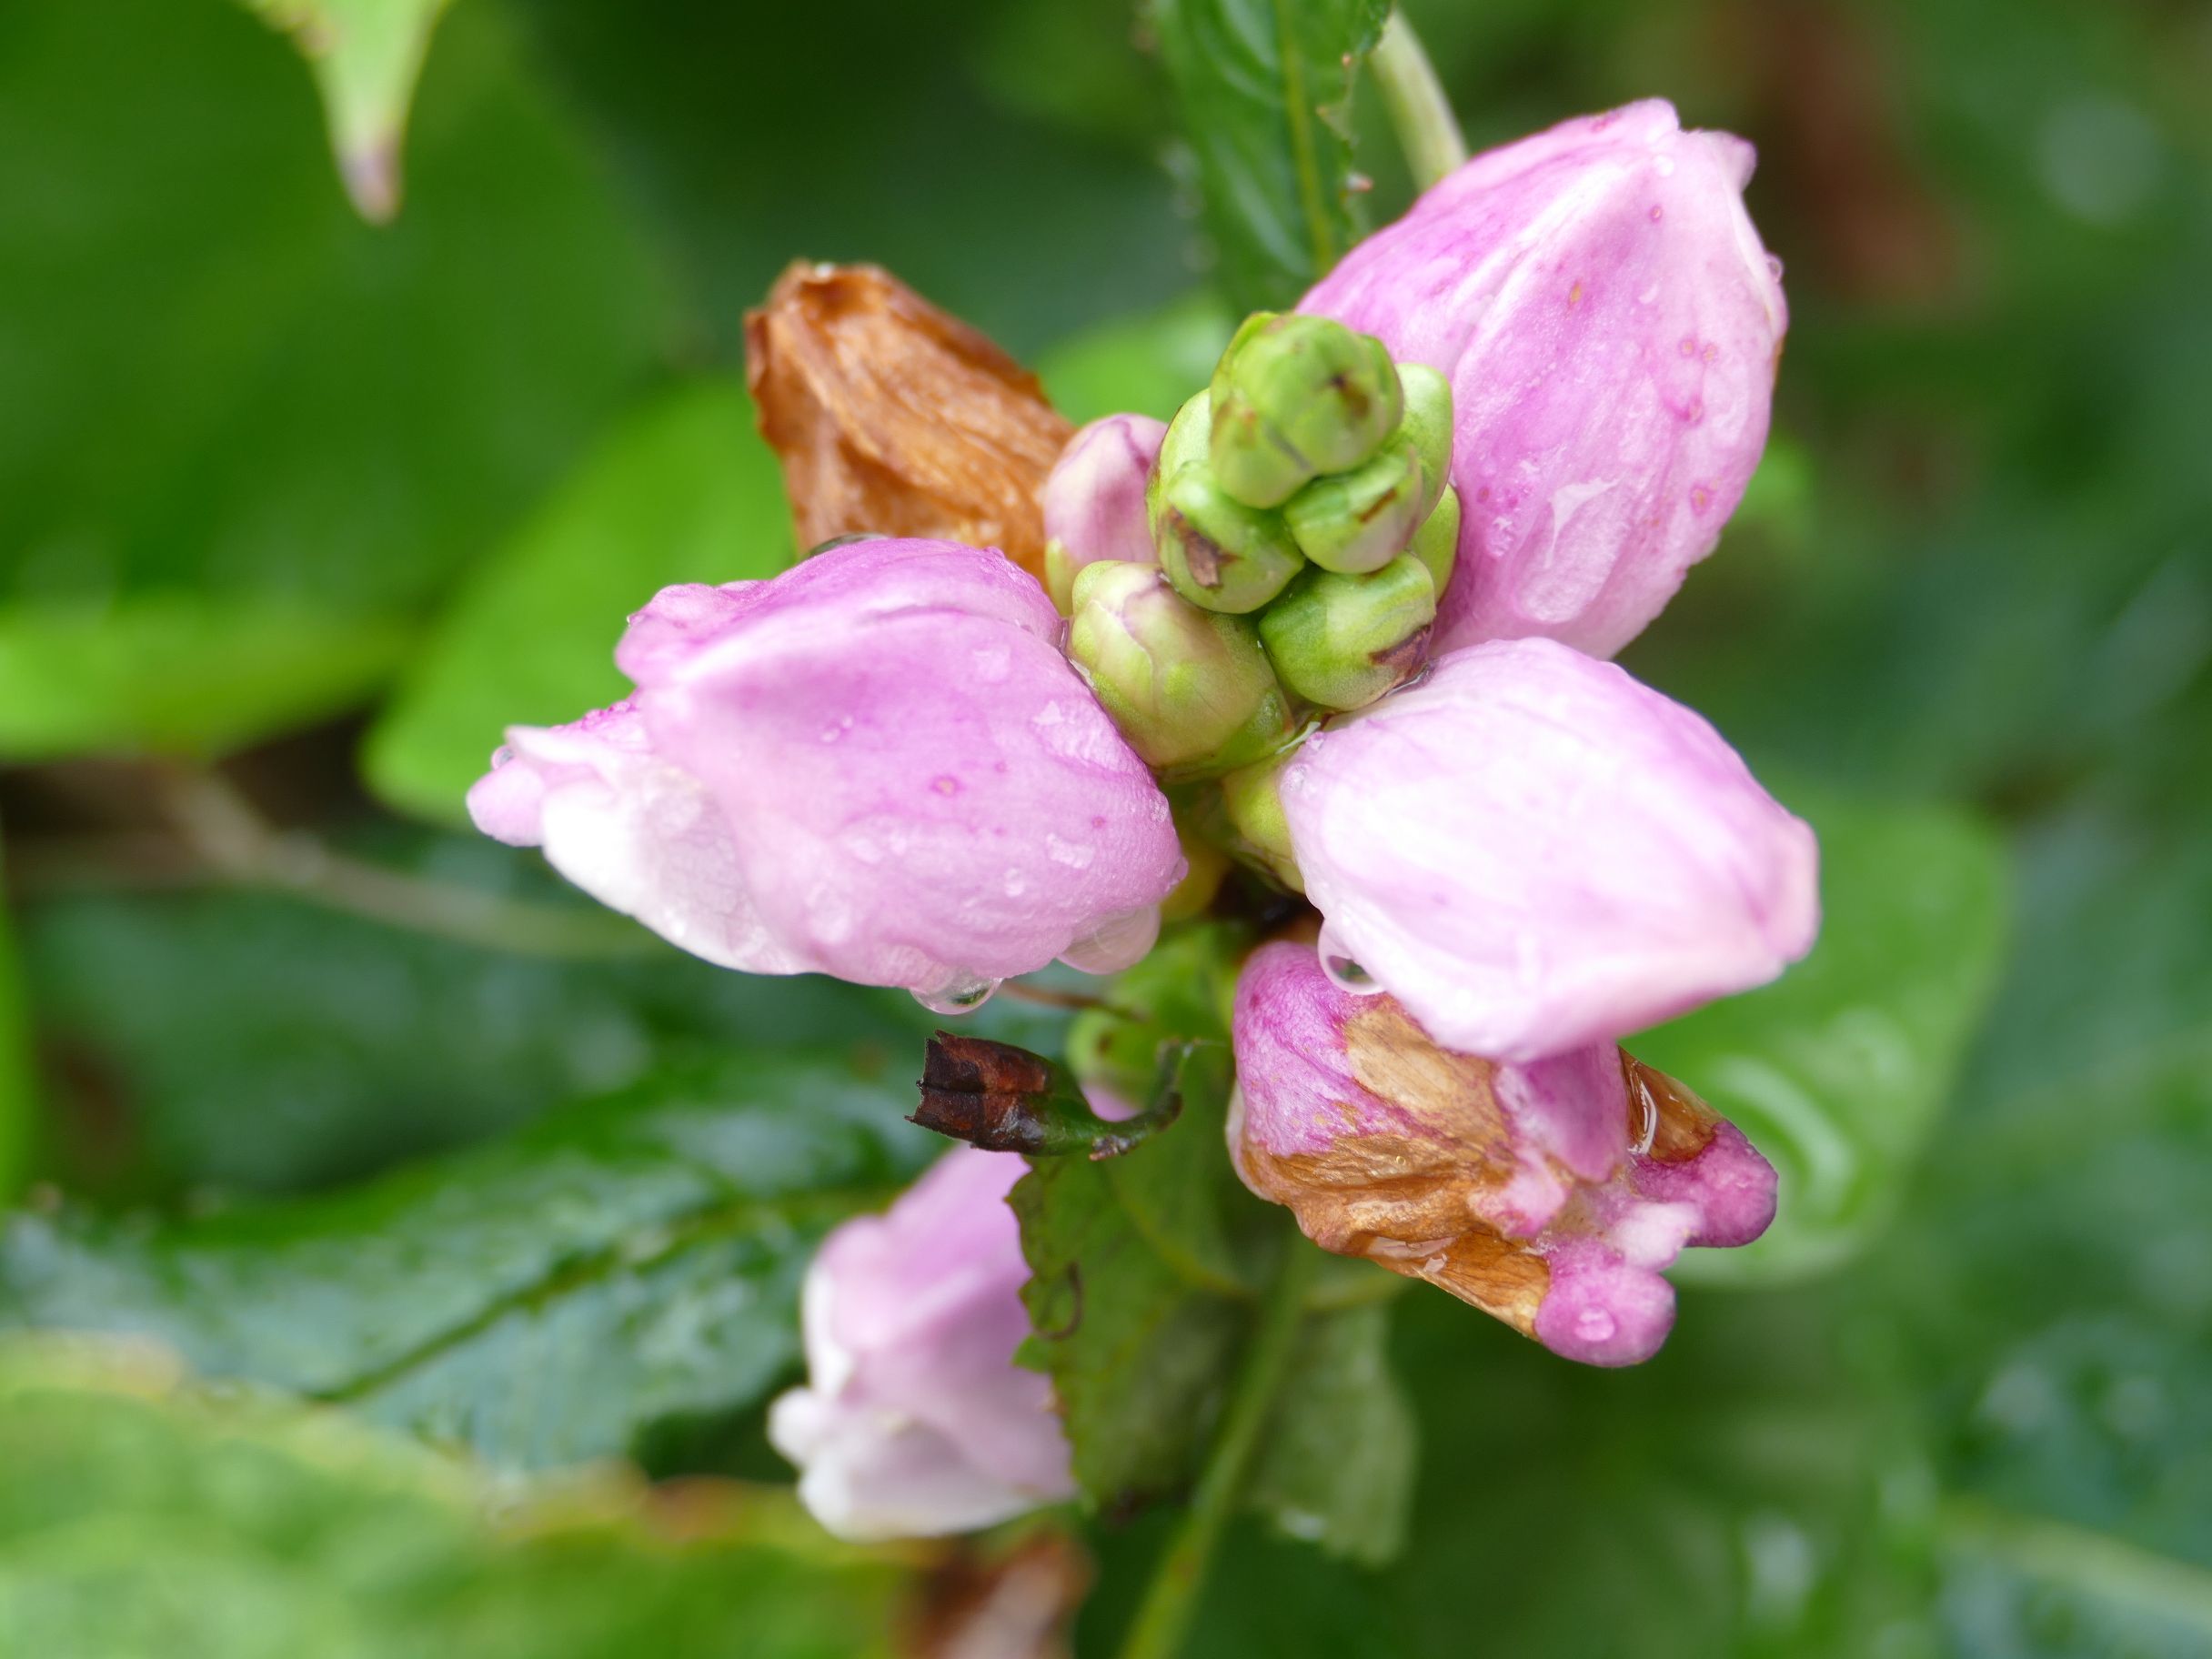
x=891, y=416
x=1405, y=1201
x=990, y=1094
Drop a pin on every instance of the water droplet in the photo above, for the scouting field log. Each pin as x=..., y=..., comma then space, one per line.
x=960, y=994
x=1594, y=1325
x=1343, y=967
x=1642, y=1118
x=1774, y=267
x=1117, y=942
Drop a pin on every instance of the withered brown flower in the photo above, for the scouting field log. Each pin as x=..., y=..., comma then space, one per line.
x=890, y=416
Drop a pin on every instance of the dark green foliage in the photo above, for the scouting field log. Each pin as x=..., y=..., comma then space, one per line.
x=1263, y=89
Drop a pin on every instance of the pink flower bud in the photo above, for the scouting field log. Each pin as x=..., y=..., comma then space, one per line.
x=1094, y=501
x=1549, y=1196
x=877, y=765
x=1611, y=325
x=1533, y=853
x=915, y=1420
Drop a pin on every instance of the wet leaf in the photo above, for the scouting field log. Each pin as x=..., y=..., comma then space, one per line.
x=232, y=1041
x=539, y=1300
x=1264, y=88
x=1338, y=1465
x=145, y=1515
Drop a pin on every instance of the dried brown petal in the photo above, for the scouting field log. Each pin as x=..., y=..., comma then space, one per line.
x=891, y=416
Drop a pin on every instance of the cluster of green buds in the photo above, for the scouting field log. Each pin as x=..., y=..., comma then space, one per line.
x=1302, y=527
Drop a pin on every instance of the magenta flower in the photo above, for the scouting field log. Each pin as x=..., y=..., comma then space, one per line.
x=915, y=1420
x=877, y=765
x=1533, y=853
x=1610, y=325
x=1094, y=501
x=1547, y=1195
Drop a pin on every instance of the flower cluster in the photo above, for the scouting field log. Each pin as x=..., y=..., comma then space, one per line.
x=1344, y=622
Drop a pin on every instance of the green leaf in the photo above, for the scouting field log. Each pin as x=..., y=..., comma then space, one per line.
x=366, y=55
x=1147, y=365
x=683, y=490
x=1264, y=87
x=180, y=673
x=1139, y=1353
x=19, y=1086
x=1756, y=1489
x=539, y=1300
x=1338, y=1465
x=1837, y=1072
x=236, y=1040
x=2053, y=1278
x=224, y=519
x=144, y=1515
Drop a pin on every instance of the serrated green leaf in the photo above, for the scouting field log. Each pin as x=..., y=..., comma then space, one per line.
x=366, y=55
x=181, y=673
x=1337, y=1467
x=684, y=489
x=1139, y=1354
x=1264, y=87
x=145, y=1516
x=1147, y=365
x=1837, y=1072
x=539, y=1300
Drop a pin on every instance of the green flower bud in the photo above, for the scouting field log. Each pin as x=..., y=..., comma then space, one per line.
x=1341, y=641
x=1437, y=542
x=1184, y=445
x=1296, y=397
x=1428, y=425
x=1359, y=520
x=1218, y=552
x=1253, y=798
x=1189, y=689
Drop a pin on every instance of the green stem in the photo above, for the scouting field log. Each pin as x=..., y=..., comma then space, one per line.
x=1414, y=98
x=1172, y=1597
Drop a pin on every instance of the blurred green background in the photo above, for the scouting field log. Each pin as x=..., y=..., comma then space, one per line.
x=297, y=511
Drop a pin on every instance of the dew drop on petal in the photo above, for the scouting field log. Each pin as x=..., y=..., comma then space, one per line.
x=960, y=994
x=1343, y=967
x=1117, y=942
x=1594, y=1325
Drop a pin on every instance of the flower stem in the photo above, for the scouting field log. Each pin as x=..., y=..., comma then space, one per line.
x=1414, y=98
x=1172, y=1597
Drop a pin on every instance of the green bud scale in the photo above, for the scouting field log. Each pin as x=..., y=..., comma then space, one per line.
x=1189, y=689
x=1340, y=641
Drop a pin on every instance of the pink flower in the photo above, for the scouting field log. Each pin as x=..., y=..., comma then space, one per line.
x=1535, y=853
x=1547, y=1195
x=915, y=1420
x=1611, y=325
x=1094, y=500
x=877, y=765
